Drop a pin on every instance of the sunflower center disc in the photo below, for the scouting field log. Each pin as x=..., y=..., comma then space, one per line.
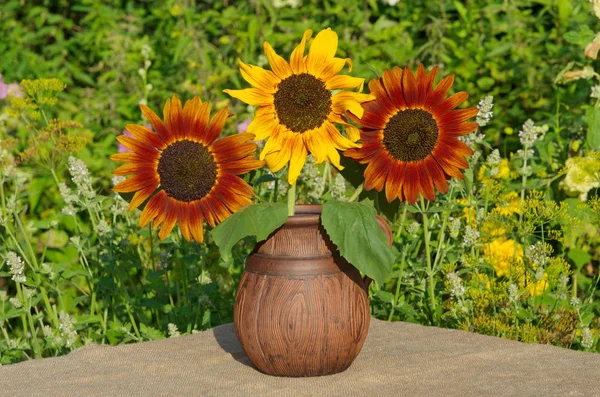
x=410, y=135
x=302, y=102
x=187, y=170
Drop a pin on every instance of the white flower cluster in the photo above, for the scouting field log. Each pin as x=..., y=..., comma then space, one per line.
x=454, y=227
x=485, y=114
x=531, y=133
x=413, y=228
x=81, y=177
x=338, y=190
x=69, y=198
x=67, y=329
x=457, y=290
x=470, y=237
x=587, y=340
x=538, y=253
x=173, y=330
x=102, y=228
x=513, y=293
x=17, y=267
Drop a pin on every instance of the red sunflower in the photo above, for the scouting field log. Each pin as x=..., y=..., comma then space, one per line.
x=192, y=175
x=410, y=134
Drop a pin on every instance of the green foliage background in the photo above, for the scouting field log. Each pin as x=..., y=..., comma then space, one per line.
x=510, y=49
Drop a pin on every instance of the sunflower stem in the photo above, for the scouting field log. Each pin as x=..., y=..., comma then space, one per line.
x=357, y=193
x=430, y=279
x=292, y=200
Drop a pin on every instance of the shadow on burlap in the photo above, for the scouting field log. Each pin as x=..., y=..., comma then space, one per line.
x=398, y=359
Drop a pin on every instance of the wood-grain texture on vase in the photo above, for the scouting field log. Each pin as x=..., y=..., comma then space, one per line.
x=300, y=309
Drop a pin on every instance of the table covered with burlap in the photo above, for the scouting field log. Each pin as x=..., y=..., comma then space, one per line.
x=398, y=359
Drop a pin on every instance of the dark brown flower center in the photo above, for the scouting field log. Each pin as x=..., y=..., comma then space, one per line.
x=410, y=135
x=187, y=171
x=302, y=102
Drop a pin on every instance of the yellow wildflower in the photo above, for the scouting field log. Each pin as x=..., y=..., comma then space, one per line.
x=538, y=287
x=469, y=212
x=505, y=255
x=509, y=204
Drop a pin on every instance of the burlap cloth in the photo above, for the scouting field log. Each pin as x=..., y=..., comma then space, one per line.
x=398, y=359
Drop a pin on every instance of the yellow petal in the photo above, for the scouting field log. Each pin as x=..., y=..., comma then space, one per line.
x=260, y=78
x=277, y=159
x=322, y=51
x=338, y=140
x=251, y=96
x=297, y=57
x=334, y=67
x=279, y=66
x=316, y=144
x=263, y=124
x=342, y=81
x=351, y=101
x=297, y=160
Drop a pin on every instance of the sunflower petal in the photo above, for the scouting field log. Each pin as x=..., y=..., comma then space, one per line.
x=439, y=93
x=136, y=182
x=153, y=208
x=297, y=160
x=394, y=181
x=263, y=124
x=183, y=218
x=279, y=66
x=216, y=126
x=170, y=219
x=157, y=124
x=141, y=195
x=392, y=82
x=334, y=67
x=297, y=58
x=145, y=135
x=343, y=81
x=322, y=50
x=409, y=88
x=195, y=223
x=260, y=78
x=252, y=96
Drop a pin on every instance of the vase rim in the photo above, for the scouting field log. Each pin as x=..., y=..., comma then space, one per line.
x=304, y=215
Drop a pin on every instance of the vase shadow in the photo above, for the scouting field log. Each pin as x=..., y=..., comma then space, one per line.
x=228, y=341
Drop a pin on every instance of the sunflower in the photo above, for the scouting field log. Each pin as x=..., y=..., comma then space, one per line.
x=193, y=175
x=410, y=135
x=296, y=108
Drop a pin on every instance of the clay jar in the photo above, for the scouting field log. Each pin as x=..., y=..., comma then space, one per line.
x=301, y=309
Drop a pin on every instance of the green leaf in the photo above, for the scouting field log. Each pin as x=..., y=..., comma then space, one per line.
x=579, y=257
x=582, y=38
x=353, y=228
x=258, y=220
x=385, y=296
x=592, y=116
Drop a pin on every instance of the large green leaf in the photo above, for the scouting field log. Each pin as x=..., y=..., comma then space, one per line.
x=353, y=228
x=258, y=220
x=592, y=116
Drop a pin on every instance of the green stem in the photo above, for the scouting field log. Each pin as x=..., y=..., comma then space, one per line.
x=430, y=279
x=357, y=193
x=292, y=200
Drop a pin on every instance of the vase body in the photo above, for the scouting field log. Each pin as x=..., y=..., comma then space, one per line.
x=300, y=309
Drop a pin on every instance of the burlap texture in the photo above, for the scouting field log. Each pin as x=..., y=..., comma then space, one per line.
x=398, y=359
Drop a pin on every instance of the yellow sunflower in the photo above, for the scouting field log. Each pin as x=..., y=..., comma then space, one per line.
x=192, y=175
x=296, y=108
